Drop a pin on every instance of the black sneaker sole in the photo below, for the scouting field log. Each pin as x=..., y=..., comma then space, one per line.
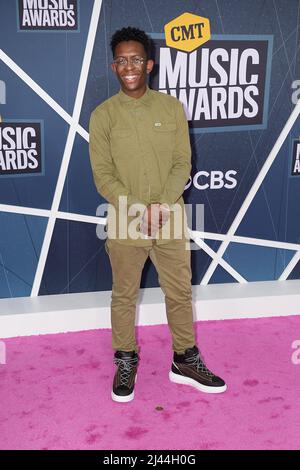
x=123, y=398
x=181, y=379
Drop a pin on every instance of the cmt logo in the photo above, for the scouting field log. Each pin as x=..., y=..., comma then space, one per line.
x=187, y=32
x=2, y=92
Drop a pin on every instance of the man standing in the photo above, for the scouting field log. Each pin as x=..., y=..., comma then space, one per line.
x=141, y=160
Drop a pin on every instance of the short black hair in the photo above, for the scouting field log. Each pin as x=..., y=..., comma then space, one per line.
x=130, y=34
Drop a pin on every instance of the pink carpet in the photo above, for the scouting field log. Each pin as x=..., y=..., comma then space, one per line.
x=55, y=391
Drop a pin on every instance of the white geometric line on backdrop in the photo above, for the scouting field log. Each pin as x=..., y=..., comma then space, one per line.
x=201, y=243
x=195, y=235
x=250, y=196
x=102, y=220
x=289, y=268
x=41, y=93
x=69, y=145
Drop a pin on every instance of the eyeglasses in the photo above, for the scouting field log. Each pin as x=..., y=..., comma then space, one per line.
x=136, y=61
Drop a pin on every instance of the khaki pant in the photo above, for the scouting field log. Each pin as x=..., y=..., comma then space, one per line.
x=172, y=262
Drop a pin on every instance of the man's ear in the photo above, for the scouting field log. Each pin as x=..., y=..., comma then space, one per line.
x=150, y=64
x=113, y=67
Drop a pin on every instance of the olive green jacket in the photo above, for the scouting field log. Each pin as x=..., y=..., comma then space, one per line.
x=140, y=148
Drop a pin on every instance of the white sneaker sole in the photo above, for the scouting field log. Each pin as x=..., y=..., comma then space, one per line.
x=123, y=399
x=180, y=379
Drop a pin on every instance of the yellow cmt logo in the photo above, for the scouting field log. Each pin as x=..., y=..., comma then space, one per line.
x=187, y=32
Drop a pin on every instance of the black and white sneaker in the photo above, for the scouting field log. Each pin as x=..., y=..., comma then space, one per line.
x=125, y=376
x=190, y=369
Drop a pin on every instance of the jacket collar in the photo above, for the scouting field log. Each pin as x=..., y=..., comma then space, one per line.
x=145, y=99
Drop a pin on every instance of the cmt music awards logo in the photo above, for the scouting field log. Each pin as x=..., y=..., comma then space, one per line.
x=20, y=148
x=296, y=159
x=222, y=81
x=37, y=15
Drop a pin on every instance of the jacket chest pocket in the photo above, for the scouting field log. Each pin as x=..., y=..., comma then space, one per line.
x=164, y=135
x=122, y=142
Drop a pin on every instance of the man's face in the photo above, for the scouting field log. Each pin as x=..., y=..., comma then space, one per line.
x=132, y=77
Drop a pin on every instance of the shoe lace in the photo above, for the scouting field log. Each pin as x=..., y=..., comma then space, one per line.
x=199, y=363
x=126, y=367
